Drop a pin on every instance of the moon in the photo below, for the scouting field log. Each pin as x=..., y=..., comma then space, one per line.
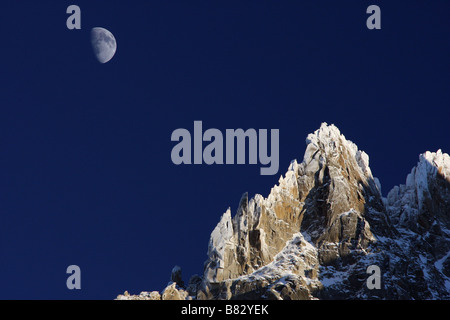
x=103, y=43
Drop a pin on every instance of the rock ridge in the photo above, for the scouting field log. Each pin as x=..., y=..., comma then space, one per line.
x=323, y=224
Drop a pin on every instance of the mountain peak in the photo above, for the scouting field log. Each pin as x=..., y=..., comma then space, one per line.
x=426, y=194
x=330, y=198
x=332, y=144
x=438, y=160
x=325, y=223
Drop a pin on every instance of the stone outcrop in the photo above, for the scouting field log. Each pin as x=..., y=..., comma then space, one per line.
x=420, y=210
x=154, y=295
x=319, y=229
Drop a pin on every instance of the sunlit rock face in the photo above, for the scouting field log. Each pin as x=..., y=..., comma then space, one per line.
x=325, y=222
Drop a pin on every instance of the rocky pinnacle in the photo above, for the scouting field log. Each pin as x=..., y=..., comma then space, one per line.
x=323, y=225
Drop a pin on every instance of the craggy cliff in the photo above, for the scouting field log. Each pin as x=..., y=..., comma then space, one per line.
x=323, y=225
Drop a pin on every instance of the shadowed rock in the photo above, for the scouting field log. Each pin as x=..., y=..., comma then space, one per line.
x=323, y=224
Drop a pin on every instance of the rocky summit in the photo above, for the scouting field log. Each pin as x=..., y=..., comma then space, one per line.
x=324, y=227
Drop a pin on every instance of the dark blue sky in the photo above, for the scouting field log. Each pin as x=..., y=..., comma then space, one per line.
x=86, y=176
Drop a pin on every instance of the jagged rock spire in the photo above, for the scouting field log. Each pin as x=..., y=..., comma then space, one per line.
x=324, y=223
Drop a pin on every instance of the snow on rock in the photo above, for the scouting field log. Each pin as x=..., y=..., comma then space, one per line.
x=323, y=224
x=425, y=191
x=144, y=295
x=420, y=211
x=331, y=196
